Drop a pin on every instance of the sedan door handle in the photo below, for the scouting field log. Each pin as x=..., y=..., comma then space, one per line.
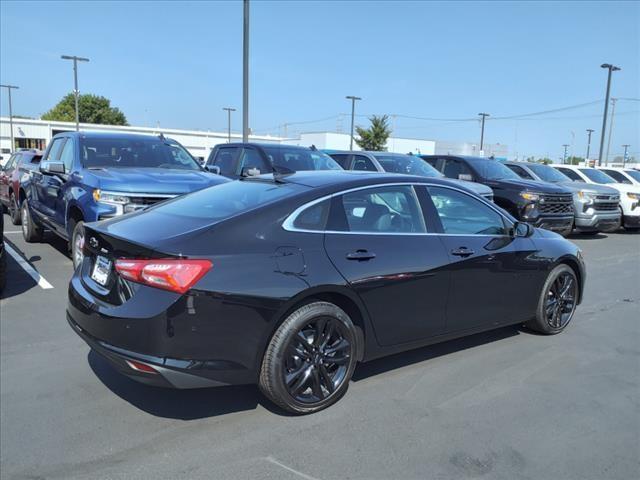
x=462, y=252
x=361, y=255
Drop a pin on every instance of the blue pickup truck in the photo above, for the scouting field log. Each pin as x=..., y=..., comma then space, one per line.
x=90, y=176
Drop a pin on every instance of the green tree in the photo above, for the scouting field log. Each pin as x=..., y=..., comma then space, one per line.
x=375, y=137
x=91, y=109
x=574, y=160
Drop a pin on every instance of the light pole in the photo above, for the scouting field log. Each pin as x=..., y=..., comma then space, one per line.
x=229, y=110
x=611, y=68
x=589, y=132
x=9, y=88
x=353, y=114
x=483, y=115
x=624, y=158
x=564, y=157
x=613, y=115
x=75, y=81
x=245, y=73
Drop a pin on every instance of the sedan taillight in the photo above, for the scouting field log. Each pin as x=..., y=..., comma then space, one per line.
x=176, y=275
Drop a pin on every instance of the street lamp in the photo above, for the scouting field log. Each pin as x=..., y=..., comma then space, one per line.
x=245, y=73
x=229, y=110
x=589, y=132
x=483, y=115
x=75, y=81
x=611, y=68
x=9, y=88
x=624, y=158
x=564, y=157
x=353, y=114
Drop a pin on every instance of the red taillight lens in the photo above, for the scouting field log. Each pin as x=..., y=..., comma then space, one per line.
x=177, y=275
x=141, y=367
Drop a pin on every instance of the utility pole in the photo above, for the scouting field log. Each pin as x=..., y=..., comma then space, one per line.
x=564, y=157
x=483, y=115
x=589, y=132
x=353, y=114
x=613, y=114
x=229, y=110
x=245, y=73
x=624, y=158
x=611, y=68
x=75, y=81
x=9, y=88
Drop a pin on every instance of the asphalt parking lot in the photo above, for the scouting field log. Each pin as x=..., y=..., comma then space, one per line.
x=507, y=404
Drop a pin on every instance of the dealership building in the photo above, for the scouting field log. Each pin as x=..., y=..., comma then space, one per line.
x=31, y=133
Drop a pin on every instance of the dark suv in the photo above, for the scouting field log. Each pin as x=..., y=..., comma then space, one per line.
x=541, y=204
x=235, y=160
x=14, y=179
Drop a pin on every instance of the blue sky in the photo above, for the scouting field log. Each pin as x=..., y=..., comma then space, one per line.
x=179, y=63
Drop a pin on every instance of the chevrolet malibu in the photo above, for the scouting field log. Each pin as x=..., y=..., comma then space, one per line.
x=288, y=281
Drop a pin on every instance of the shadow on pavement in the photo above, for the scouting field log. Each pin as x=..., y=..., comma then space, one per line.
x=179, y=404
x=18, y=281
x=587, y=236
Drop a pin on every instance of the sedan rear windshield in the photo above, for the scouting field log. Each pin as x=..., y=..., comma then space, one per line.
x=137, y=153
x=300, y=159
x=229, y=199
x=597, y=176
x=548, y=174
x=407, y=164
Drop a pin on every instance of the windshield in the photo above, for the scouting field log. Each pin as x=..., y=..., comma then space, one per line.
x=635, y=174
x=548, y=174
x=228, y=199
x=407, y=164
x=597, y=176
x=492, y=170
x=300, y=159
x=135, y=152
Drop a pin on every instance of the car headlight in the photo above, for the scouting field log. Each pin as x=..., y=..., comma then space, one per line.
x=109, y=197
x=633, y=196
x=532, y=197
x=583, y=196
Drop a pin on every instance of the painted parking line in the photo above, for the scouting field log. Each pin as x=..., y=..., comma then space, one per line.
x=40, y=280
x=13, y=231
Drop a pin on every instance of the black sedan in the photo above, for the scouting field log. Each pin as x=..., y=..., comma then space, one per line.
x=288, y=281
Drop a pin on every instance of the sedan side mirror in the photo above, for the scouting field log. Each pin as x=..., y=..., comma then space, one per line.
x=213, y=169
x=52, y=167
x=521, y=229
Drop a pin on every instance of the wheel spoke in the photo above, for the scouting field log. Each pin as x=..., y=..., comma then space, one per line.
x=327, y=333
x=342, y=344
x=319, y=331
x=316, y=386
x=303, y=342
x=338, y=360
x=294, y=375
x=566, y=288
x=301, y=381
x=328, y=381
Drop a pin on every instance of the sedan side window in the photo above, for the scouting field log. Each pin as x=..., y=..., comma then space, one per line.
x=360, y=162
x=462, y=214
x=314, y=217
x=571, y=174
x=393, y=209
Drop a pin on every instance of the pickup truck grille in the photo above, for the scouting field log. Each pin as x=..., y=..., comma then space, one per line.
x=139, y=202
x=556, y=204
x=606, y=206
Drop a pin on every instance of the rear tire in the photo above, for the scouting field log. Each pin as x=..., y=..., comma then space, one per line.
x=310, y=359
x=30, y=231
x=14, y=210
x=557, y=302
x=76, y=245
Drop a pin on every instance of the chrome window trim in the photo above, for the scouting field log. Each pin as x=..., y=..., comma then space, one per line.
x=289, y=221
x=141, y=195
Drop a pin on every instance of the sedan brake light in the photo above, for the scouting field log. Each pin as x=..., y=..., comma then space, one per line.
x=176, y=275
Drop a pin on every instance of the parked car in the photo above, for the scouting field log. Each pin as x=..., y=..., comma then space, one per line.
x=236, y=160
x=14, y=178
x=622, y=175
x=288, y=281
x=629, y=194
x=3, y=256
x=596, y=207
x=398, y=163
x=89, y=176
x=539, y=203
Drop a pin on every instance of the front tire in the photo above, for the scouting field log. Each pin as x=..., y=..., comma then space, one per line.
x=77, y=242
x=310, y=359
x=557, y=302
x=30, y=231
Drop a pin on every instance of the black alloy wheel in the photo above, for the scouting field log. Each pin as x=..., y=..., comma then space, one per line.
x=14, y=210
x=310, y=359
x=558, y=301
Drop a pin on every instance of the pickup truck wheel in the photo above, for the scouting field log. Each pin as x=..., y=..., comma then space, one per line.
x=14, y=211
x=557, y=301
x=30, y=231
x=77, y=242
